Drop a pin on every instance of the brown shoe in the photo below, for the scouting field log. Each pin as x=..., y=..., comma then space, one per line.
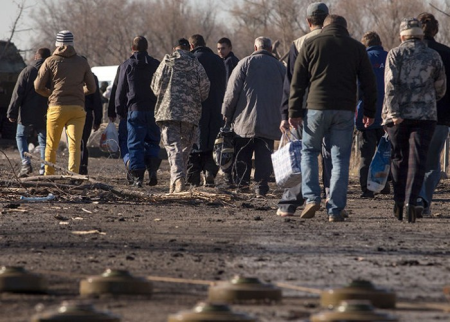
x=336, y=218
x=310, y=210
x=284, y=213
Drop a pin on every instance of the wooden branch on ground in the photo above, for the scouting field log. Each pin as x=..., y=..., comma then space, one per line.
x=47, y=181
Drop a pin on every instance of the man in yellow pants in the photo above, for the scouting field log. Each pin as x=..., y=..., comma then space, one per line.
x=65, y=78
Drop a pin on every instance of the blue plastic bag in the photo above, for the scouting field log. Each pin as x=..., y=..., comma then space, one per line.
x=380, y=166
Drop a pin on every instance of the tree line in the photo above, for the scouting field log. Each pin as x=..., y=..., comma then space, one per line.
x=104, y=29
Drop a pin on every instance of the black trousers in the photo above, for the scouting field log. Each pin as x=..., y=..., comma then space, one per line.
x=410, y=141
x=368, y=143
x=201, y=162
x=84, y=139
x=244, y=148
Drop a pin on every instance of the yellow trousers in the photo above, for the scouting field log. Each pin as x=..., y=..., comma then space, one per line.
x=72, y=117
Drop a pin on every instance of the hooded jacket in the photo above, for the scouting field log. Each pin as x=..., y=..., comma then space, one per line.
x=181, y=85
x=69, y=75
x=135, y=76
x=253, y=96
x=27, y=106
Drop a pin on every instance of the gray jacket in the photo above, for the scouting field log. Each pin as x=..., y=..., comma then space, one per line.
x=253, y=96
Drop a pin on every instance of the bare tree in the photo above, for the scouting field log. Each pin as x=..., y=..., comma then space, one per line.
x=104, y=29
x=282, y=20
x=382, y=16
x=20, y=10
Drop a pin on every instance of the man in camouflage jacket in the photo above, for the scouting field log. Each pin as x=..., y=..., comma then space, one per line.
x=181, y=85
x=414, y=80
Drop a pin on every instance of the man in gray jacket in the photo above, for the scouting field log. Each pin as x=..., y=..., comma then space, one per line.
x=251, y=103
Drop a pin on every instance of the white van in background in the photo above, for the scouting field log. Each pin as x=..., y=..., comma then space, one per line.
x=105, y=73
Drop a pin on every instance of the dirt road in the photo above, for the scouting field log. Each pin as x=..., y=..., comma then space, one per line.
x=214, y=240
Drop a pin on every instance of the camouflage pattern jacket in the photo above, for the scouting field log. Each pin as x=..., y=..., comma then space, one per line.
x=181, y=85
x=414, y=80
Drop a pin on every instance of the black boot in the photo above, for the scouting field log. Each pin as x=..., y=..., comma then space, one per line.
x=398, y=210
x=152, y=164
x=411, y=213
x=138, y=177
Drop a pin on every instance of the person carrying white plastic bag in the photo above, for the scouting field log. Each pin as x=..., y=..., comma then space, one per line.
x=109, y=140
x=286, y=162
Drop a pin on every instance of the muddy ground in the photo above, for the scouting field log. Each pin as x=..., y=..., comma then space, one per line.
x=215, y=239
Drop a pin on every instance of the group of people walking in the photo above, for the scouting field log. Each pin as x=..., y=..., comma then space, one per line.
x=398, y=93
x=184, y=99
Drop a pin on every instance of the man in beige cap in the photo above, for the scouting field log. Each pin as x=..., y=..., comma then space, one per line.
x=414, y=80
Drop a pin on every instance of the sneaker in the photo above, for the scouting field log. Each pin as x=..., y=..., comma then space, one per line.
x=367, y=194
x=336, y=218
x=25, y=170
x=419, y=208
x=284, y=213
x=41, y=171
x=310, y=210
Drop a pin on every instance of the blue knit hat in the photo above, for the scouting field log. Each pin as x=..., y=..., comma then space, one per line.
x=64, y=38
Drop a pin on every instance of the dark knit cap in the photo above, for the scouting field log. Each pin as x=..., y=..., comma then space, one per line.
x=183, y=42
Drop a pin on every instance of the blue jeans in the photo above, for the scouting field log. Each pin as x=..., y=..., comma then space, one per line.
x=433, y=166
x=143, y=138
x=338, y=126
x=22, y=135
x=123, y=138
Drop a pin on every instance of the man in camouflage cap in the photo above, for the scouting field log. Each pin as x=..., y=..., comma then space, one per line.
x=181, y=85
x=414, y=80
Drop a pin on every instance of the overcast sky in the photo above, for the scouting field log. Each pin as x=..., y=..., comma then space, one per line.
x=8, y=13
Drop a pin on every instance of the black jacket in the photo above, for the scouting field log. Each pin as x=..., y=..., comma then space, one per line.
x=230, y=62
x=443, y=105
x=330, y=65
x=93, y=102
x=27, y=106
x=133, y=88
x=211, y=119
x=112, y=102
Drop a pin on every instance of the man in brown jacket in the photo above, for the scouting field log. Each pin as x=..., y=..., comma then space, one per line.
x=70, y=79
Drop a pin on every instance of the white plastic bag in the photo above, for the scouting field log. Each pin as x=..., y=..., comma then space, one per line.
x=286, y=162
x=109, y=140
x=380, y=166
